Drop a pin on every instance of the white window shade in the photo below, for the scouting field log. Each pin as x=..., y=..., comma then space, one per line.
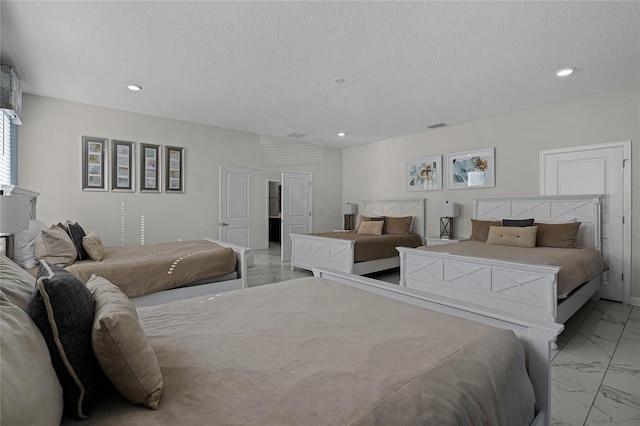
x=5, y=149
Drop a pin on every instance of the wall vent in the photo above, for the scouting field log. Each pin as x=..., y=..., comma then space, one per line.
x=435, y=126
x=296, y=135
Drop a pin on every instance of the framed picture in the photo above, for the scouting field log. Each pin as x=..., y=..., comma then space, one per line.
x=94, y=160
x=424, y=174
x=472, y=169
x=122, y=167
x=149, y=168
x=174, y=169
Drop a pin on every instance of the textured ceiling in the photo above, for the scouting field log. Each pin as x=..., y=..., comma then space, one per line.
x=269, y=67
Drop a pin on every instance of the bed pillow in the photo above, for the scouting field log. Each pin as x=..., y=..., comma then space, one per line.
x=30, y=393
x=93, y=246
x=480, y=229
x=16, y=283
x=398, y=225
x=77, y=234
x=372, y=227
x=62, y=308
x=54, y=246
x=517, y=222
x=561, y=235
x=121, y=346
x=518, y=236
x=371, y=219
x=24, y=251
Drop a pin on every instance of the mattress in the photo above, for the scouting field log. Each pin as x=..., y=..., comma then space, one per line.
x=140, y=270
x=374, y=247
x=315, y=352
x=578, y=265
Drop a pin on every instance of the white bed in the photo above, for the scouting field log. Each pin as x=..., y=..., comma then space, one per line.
x=514, y=288
x=311, y=251
x=187, y=292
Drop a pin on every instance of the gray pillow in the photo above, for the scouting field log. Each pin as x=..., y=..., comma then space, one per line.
x=77, y=234
x=63, y=308
x=520, y=223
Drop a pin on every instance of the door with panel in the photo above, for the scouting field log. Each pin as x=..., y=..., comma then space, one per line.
x=598, y=169
x=236, y=206
x=296, y=208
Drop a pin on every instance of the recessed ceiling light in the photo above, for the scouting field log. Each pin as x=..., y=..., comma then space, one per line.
x=565, y=72
x=134, y=87
x=339, y=80
x=342, y=134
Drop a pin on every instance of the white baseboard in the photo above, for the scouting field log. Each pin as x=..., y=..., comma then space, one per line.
x=635, y=301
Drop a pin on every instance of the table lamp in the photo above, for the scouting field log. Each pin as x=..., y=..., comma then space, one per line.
x=14, y=217
x=348, y=210
x=447, y=211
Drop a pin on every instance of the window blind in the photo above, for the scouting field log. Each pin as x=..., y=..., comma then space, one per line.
x=5, y=149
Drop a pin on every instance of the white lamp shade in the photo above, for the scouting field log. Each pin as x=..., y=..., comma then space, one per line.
x=14, y=214
x=349, y=208
x=447, y=210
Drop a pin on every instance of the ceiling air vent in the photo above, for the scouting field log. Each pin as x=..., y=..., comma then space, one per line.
x=435, y=126
x=296, y=135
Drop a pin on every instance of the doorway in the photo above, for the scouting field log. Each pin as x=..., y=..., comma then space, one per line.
x=274, y=212
x=245, y=203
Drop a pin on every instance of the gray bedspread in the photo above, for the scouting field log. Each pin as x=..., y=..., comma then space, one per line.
x=314, y=352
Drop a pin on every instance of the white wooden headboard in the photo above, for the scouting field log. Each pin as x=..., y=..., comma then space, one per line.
x=397, y=208
x=33, y=197
x=552, y=208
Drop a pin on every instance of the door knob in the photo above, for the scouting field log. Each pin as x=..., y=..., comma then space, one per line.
x=224, y=224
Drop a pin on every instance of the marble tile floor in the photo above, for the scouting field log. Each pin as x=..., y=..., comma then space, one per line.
x=595, y=373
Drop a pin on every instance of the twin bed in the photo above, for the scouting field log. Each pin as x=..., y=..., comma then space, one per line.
x=332, y=349
x=518, y=284
x=358, y=254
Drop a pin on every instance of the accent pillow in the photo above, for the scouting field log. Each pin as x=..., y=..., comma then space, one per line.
x=518, y=222
x=30, y=393
x=93, y=245
x=398, y=225
x=77, y=234
x=121, y=347
x=371, y=219
x=54, y=246
x=371, y=227
x=562, y=235
x=480, y=229
x=16, y=283
x=518, y=236
x=62, y=308
x=24, y=251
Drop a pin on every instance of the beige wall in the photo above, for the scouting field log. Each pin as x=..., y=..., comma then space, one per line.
x=377, y=170
x=49, y=155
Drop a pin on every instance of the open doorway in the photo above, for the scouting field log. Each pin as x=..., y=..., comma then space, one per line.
x=244, y=206
x=274, y=212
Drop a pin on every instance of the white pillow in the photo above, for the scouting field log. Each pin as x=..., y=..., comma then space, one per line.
x=24, y=252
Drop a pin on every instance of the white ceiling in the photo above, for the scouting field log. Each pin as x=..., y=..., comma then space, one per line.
x=269, y=67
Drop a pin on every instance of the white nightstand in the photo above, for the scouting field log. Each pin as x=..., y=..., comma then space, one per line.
x=434, y=241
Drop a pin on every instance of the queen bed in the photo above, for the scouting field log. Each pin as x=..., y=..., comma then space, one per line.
x=546, y=283
x=330, y=349
x=357, y=253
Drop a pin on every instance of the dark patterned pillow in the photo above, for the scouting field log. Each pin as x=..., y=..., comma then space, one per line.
x=521, y=223
x=77, y=233
x=63, y=308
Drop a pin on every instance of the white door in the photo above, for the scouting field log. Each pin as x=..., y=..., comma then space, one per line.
x=598, y=169
x=236, y=206
x=296, y=209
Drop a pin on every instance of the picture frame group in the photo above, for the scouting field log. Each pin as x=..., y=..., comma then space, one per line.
x=466, y=170
x=117, y=171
